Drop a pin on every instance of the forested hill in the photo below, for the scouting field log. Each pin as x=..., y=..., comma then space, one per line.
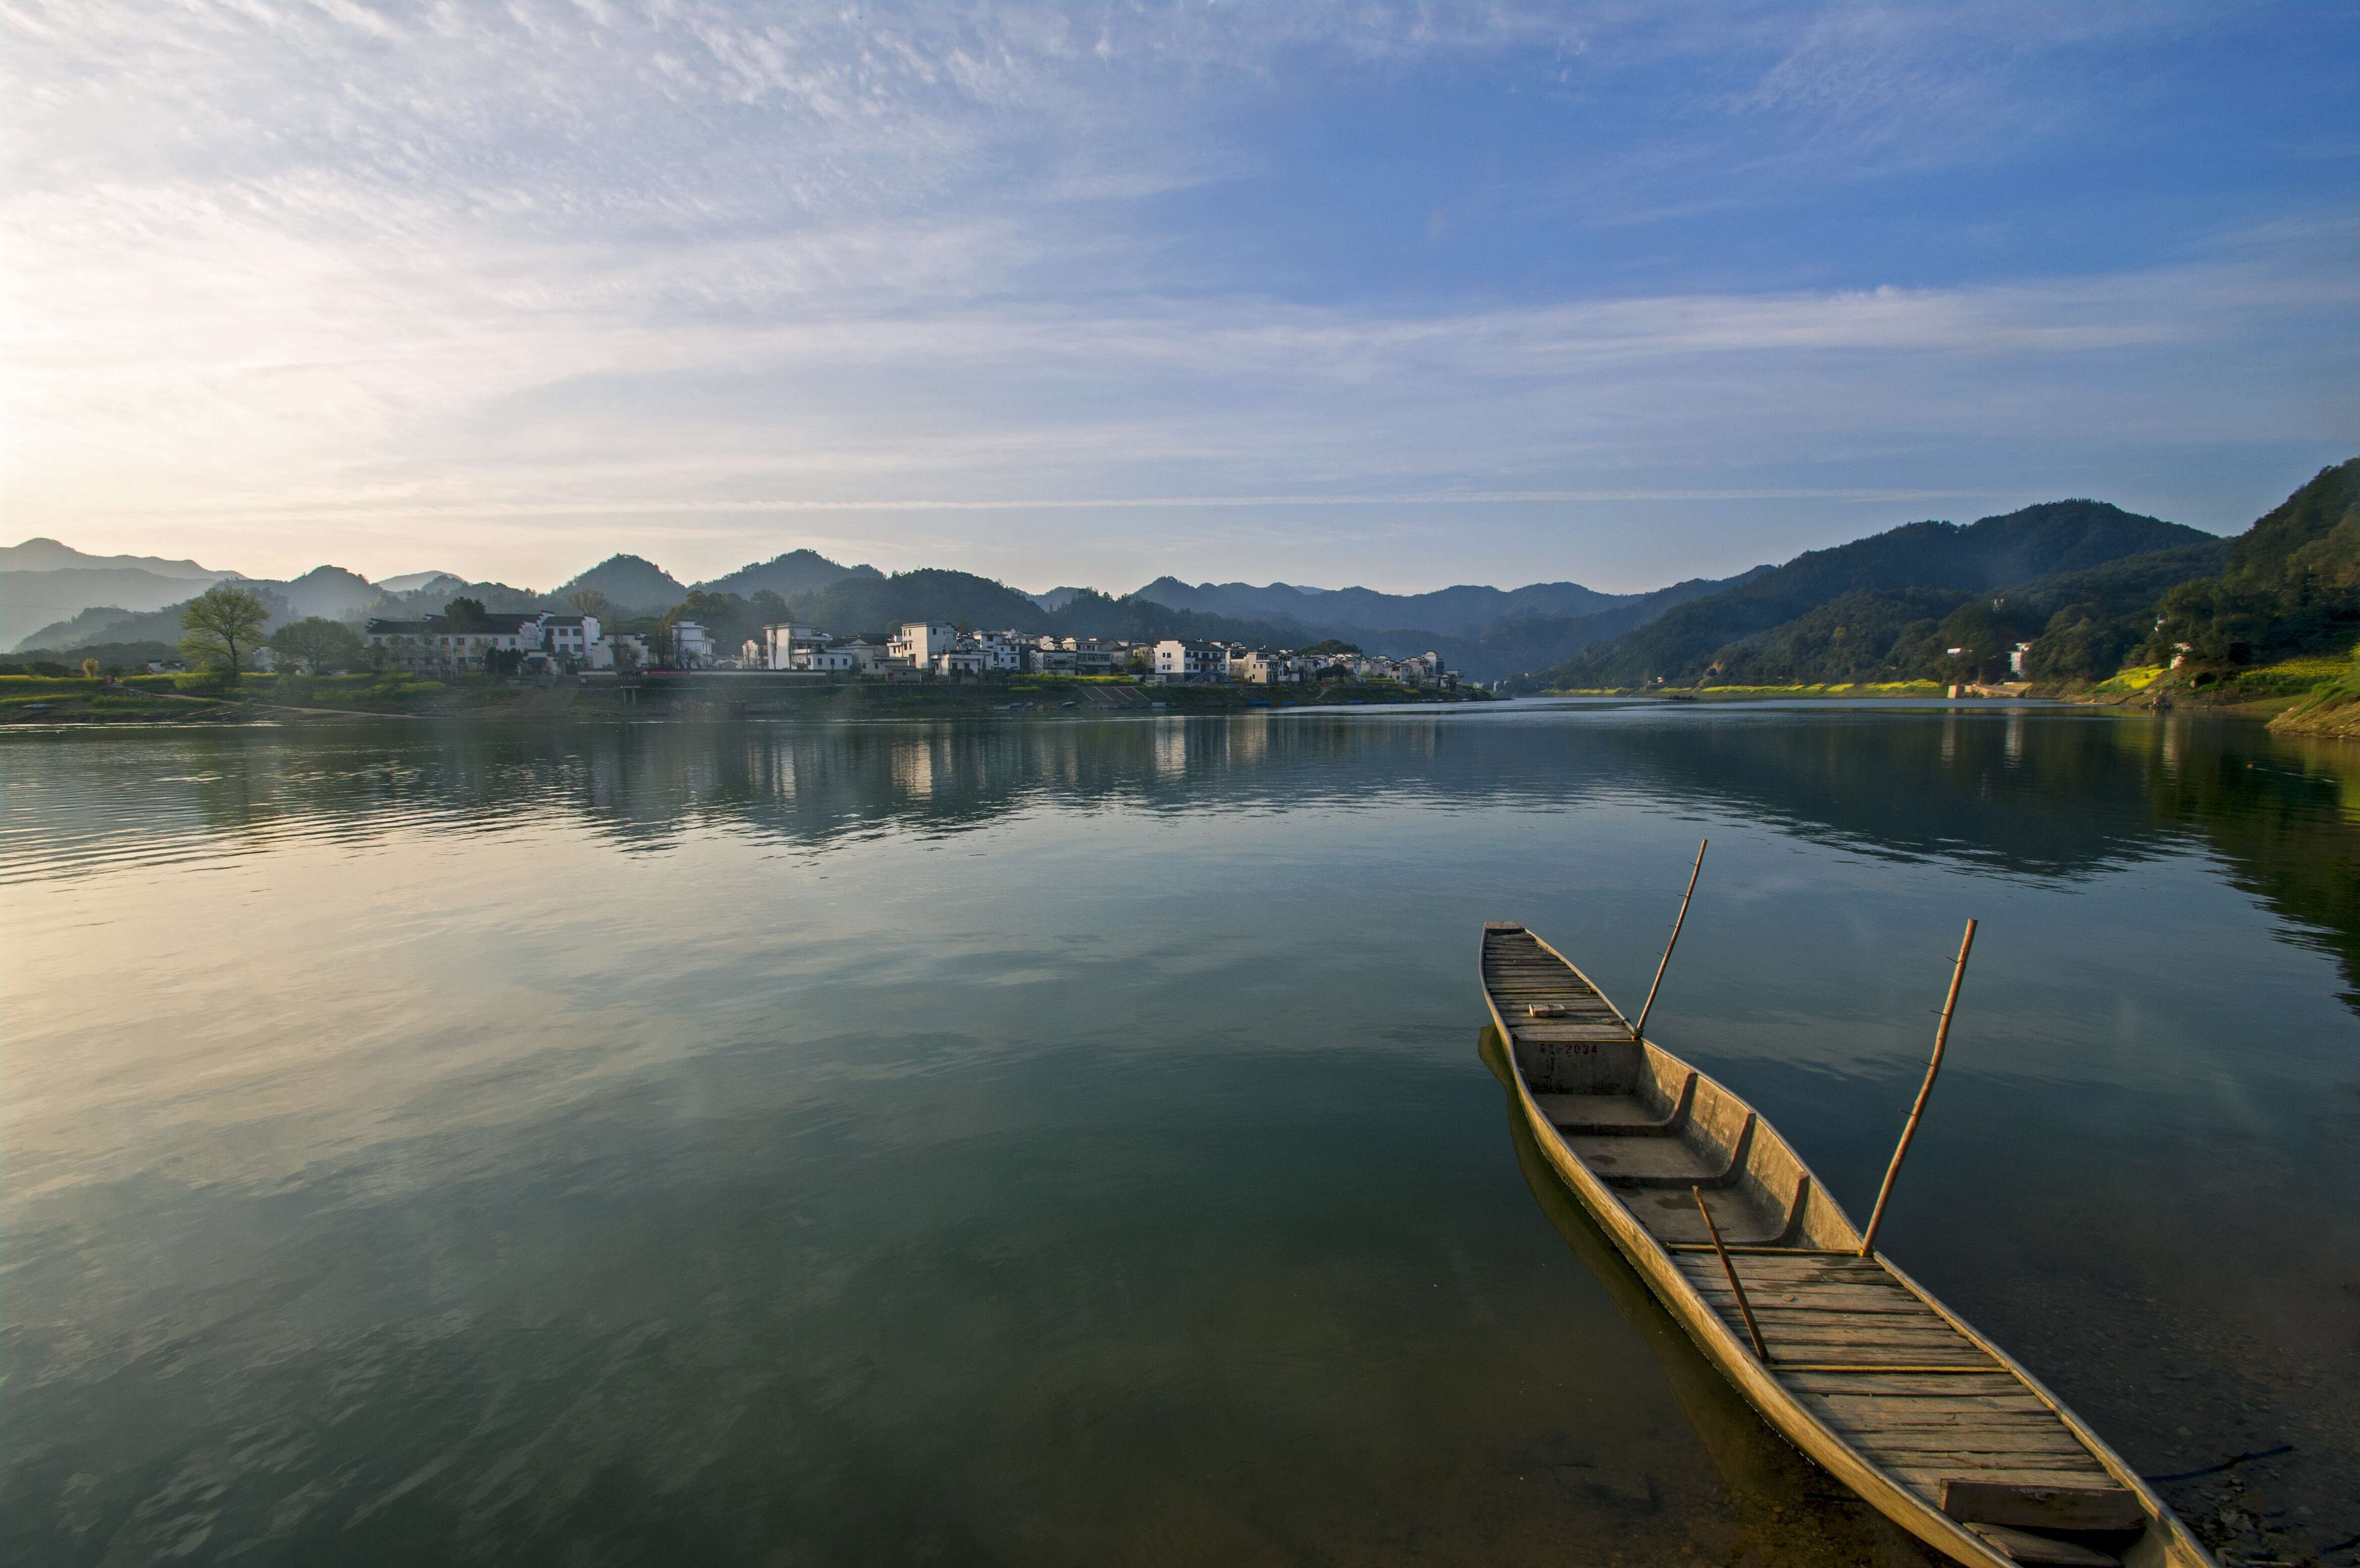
x=1914, y=576
x=2291, y=583
x=1467, y=610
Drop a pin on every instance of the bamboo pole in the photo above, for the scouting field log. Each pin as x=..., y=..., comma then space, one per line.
x=1917, y=1111
x=1744, y=1306
x=1639, y=1030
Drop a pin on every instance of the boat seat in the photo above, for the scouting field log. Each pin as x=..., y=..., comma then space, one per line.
x=1724, y=1177
x=1589, y=1114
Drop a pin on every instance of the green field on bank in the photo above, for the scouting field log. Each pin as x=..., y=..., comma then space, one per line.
x=204, y=698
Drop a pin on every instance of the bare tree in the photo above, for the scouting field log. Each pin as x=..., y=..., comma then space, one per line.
x=590, y=601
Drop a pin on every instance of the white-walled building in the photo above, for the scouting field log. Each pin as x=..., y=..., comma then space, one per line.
x=569, y=636
x=788, y=645
x=1177, y=662
x=434, y=644
x=1266, y=669
x=920, y=642
x=691, y=646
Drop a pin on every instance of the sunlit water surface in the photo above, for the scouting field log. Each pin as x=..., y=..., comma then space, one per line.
x=1066, y=1142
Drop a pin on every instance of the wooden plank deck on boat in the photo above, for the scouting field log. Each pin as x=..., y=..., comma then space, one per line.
x=1865, y=1371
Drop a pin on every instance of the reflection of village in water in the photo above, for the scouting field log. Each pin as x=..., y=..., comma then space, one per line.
x=2097, y=791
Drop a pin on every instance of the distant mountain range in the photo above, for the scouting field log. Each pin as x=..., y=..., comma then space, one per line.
x=57, y=601
x=1893, y=606
x=42, y=581
x=1463, y=611
x=2076, y=582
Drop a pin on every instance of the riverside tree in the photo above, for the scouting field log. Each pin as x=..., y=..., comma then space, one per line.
x=319, y=644
x=222, y=625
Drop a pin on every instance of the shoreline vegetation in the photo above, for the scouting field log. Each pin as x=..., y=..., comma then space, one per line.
x=2073, y=601
x=253, y=698
x=2314, y=695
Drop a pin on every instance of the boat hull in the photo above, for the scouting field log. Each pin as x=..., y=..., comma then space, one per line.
x=1815, y=1229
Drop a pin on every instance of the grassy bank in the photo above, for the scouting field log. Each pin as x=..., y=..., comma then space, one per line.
x=185, y=699
x=2312, y=695
x=1739, y=694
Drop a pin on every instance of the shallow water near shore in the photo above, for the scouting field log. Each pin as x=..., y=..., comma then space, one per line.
x=1063, y=1141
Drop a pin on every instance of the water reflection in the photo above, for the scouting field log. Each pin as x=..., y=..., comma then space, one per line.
x=2097, y=792
x=1054, y=1141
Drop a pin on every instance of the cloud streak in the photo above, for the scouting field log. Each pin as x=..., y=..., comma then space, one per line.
x=289, y=280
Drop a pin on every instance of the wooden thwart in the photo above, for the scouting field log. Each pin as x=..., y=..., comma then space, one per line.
x=2026, y=1547
x=1982, y=1501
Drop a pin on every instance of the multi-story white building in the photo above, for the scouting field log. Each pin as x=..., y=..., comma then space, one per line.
x=1265, y=669
x=920, y=642
x=434, y=644
x=691, y=646
x=790, y=646
x=569, y=636
x=1177, y=662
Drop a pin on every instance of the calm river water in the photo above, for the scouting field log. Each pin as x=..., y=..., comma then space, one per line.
x=1066, y=1142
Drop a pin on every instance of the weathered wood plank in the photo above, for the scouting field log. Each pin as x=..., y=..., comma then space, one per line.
x=2026, y=1547
x=1863, y=1327
x=1838, y=1300
x=1983, y=1439
x=1902, y=1386
x=1930, y=1478
x=1811, y=1268
x=1805, y=1344
x=2067, y=1503
x=1898, y=1305
x=1870, y=1413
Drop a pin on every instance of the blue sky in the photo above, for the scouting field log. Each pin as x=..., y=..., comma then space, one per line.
x=1393, y=295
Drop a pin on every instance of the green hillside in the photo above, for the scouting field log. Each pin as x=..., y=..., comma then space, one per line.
x=2290, y=586
x=1861, y=611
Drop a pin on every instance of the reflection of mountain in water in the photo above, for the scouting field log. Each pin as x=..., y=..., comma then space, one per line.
x=2045, y=793
x=1794, y=1514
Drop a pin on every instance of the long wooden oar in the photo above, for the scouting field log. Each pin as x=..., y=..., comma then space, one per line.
x=1639, y=1029
x=1917, y=1111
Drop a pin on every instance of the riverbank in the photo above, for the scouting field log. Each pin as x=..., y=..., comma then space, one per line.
x=166, y=699
x=2317, y=697
x=1746, y=694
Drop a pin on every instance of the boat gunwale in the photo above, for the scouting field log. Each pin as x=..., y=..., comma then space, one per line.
x=1764, y=1388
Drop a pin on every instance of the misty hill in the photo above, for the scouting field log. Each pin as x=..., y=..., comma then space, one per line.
x=1685, y=645
x=1467, y=610
x=796, y=572
x=42, y=581
x=631, y=583
x=2290, y=584
x=874, y=604
x=410, y=582
x=329, y=591
x=49, y=556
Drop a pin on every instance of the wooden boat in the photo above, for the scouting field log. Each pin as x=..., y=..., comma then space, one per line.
x=1859, y=1366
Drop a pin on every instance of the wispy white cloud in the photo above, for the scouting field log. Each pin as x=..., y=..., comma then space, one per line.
x=356, y=267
